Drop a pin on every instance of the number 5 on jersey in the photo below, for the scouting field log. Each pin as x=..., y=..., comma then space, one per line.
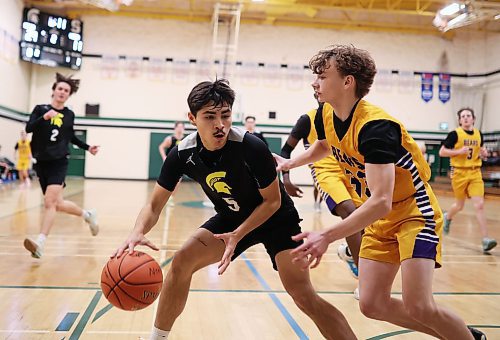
x=231, y=203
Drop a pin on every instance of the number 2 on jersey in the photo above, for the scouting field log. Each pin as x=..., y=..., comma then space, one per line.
x=53, y=137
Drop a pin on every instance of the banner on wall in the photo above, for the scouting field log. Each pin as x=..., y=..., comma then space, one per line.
x=156, y=69
x=444, y=87
x=110, y=66
x=406, y=81
x=384, y=80
x=133, y=68
x=427, y=86
x=295, y=77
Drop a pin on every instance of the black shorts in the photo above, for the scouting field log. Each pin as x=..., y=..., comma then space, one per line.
x=276, y=236
x=51, y=172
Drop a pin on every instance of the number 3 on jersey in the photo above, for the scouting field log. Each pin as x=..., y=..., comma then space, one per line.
x=231, y=203
x=54, y=134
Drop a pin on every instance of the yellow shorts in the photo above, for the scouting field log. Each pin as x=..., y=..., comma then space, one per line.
x=23, y=164
x=411, y=230
x=467, y=183
x=334, y=187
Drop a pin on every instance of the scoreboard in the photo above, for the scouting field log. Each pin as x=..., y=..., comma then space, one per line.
x=51, y=40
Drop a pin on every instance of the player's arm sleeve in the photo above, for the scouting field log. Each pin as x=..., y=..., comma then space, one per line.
x=482, y=138
x=450, y=140
x=260, y=160
x=301, y=128
x=318, y=123
x=171, y=171
x=78, y=142
x=379, y=142
x=35, y=119
x=17, y=146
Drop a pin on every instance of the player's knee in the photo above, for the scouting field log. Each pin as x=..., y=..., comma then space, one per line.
x=304, y=298
x=181, y=264
x=372, y=308
x=419, y=309
x=479, y=205
x=50, y=202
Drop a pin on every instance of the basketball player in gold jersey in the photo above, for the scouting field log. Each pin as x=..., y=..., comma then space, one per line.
x=23, y=155
x=400, y=213
x=464, y=146
x=329, y=181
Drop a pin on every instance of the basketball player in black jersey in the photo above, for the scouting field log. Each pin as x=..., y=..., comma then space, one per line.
x=52, y=127
x=237, y=172
x=171, y=141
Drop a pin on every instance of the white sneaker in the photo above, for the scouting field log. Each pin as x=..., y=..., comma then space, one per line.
x=91, y=219
x=356, y=293
x=342, y=253
x=34, y=248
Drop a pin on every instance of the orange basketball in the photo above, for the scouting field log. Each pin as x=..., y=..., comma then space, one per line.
x=132, y=281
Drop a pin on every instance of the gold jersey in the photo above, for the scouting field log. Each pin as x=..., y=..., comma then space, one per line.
x=24, y=149
x=328, y=162
x=412, y=171
x=473, y=143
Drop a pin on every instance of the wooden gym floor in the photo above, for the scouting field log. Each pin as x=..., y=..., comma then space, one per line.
x=58, y=297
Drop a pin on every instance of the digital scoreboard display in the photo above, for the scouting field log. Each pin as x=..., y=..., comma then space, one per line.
x=51, y=40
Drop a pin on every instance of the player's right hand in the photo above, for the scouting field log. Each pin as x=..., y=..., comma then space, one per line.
x=292, y=189
x=133, y=240
x=49, y=114
x=463, y=151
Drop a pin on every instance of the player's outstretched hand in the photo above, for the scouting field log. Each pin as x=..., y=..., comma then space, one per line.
x=230, y=240
x=133, y=240
x=94, y=149
x=282, y=164
x=310, y=252
x=292, y=189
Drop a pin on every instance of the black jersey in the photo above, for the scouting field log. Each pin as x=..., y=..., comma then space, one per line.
x=51, y=137
x=175, y=141
x=231, y=177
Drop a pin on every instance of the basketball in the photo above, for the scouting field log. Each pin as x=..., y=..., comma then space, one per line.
x=132, y=281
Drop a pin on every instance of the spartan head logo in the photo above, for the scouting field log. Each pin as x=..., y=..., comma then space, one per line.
x=57, y=120
x=216, y=183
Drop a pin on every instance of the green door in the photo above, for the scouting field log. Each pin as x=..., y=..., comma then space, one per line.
x=155, y=161
x=274, y=144
x=76, y=165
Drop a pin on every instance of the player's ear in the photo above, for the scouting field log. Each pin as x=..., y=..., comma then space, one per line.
x=192, y=118
x=349, y=81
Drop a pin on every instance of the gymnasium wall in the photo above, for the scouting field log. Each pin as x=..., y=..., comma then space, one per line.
x=121, y=93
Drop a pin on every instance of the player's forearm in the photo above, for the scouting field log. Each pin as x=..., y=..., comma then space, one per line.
x=372, y=210
x=445, y=152
x=260, y=215
x=147, y=219
x=316, y=152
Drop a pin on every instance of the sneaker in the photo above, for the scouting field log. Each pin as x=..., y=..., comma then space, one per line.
x=446, y=224
x=342, y=252
x=477, y=334
x=356, y=293
x=33, y=247
x=91, y=219
x=489, y=243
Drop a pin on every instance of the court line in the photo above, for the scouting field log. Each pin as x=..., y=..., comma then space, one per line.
x=259, y=291
x=291, y=321
x=405, y=331
x=85, y=317
x=67, y=322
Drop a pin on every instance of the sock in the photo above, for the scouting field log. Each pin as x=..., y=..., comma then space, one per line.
x=159, y=334
x=41, y=239
x=85, y=214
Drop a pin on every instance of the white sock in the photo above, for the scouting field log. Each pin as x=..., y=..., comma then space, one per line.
x=159, y=334
x=41, y=239
x=85, y=214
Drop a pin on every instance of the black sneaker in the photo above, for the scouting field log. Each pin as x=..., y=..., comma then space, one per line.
x=477, y=334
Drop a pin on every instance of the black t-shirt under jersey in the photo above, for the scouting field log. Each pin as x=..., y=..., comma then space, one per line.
x=231, y=177
x=51, y=138
x=379, y=141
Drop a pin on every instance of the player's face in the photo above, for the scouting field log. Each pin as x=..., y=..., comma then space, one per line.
x=23, y=135
x=250, y=124
x=466, y=119
x=179, y=129
x=330, y=85
x=213, y=125
x=61, y=92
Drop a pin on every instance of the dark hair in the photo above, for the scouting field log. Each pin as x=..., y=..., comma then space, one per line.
x=349, y=60
x=178, y=123
x=465, y=109
x=216, y=94
x=74, y=84
x=250, y=117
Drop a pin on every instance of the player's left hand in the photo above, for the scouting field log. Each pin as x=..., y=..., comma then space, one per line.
x=94, y=149
x=282, y=164
x=230, y=240
x=311, y=250
x=483, y=153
